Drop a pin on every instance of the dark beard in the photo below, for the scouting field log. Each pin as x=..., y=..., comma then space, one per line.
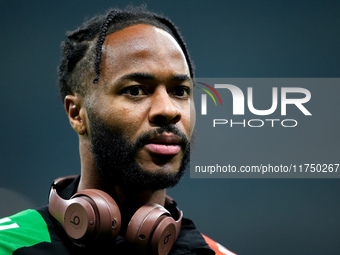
x=115, y=157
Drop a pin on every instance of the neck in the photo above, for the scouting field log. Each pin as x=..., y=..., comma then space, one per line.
x=128, y=201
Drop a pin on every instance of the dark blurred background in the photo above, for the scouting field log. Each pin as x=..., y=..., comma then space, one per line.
x=226, y=39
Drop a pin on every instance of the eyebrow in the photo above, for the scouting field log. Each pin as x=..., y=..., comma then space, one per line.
x=139, y=76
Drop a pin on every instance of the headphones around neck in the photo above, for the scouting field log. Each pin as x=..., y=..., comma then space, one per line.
x=93, y=216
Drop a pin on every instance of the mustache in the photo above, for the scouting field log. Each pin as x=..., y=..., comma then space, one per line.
x=147, y=136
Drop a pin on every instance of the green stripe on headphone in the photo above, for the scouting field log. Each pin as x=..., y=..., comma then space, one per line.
x=24, y=229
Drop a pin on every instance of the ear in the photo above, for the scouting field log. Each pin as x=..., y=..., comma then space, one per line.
x=75, y=111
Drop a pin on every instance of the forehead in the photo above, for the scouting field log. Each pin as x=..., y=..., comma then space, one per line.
x=142, y=48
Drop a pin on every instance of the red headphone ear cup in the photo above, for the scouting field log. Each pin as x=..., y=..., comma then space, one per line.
x=108, y=219
x=92, y=215
x=164, y=236
x=148, y=226
x=88, y=216
x=80, y=220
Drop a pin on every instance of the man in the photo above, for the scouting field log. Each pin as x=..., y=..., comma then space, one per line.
x=126, y=80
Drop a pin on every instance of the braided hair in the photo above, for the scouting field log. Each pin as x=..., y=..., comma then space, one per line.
x=82, y=50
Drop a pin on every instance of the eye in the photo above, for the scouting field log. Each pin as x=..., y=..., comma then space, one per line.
x=133, y=91
x=181, y=91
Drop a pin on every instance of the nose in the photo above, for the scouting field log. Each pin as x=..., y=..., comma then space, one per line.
x=163, y=110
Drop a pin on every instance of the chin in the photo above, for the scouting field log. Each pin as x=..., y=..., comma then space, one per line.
x=161, y=164
x=160, y=168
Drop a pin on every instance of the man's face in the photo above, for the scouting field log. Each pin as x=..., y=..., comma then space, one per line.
x=144, y=98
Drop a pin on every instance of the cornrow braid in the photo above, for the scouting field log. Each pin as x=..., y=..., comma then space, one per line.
x=179, y=39
x=100, y=42
x=82, y=50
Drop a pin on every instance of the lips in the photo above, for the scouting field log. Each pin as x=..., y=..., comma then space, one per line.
x=164, y=144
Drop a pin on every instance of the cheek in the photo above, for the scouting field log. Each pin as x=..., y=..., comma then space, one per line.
x=129, y=120
x=187, y=123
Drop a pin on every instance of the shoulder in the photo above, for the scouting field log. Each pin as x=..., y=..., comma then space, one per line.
x=192, y=241
x=219, y=249
x=23, y=229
